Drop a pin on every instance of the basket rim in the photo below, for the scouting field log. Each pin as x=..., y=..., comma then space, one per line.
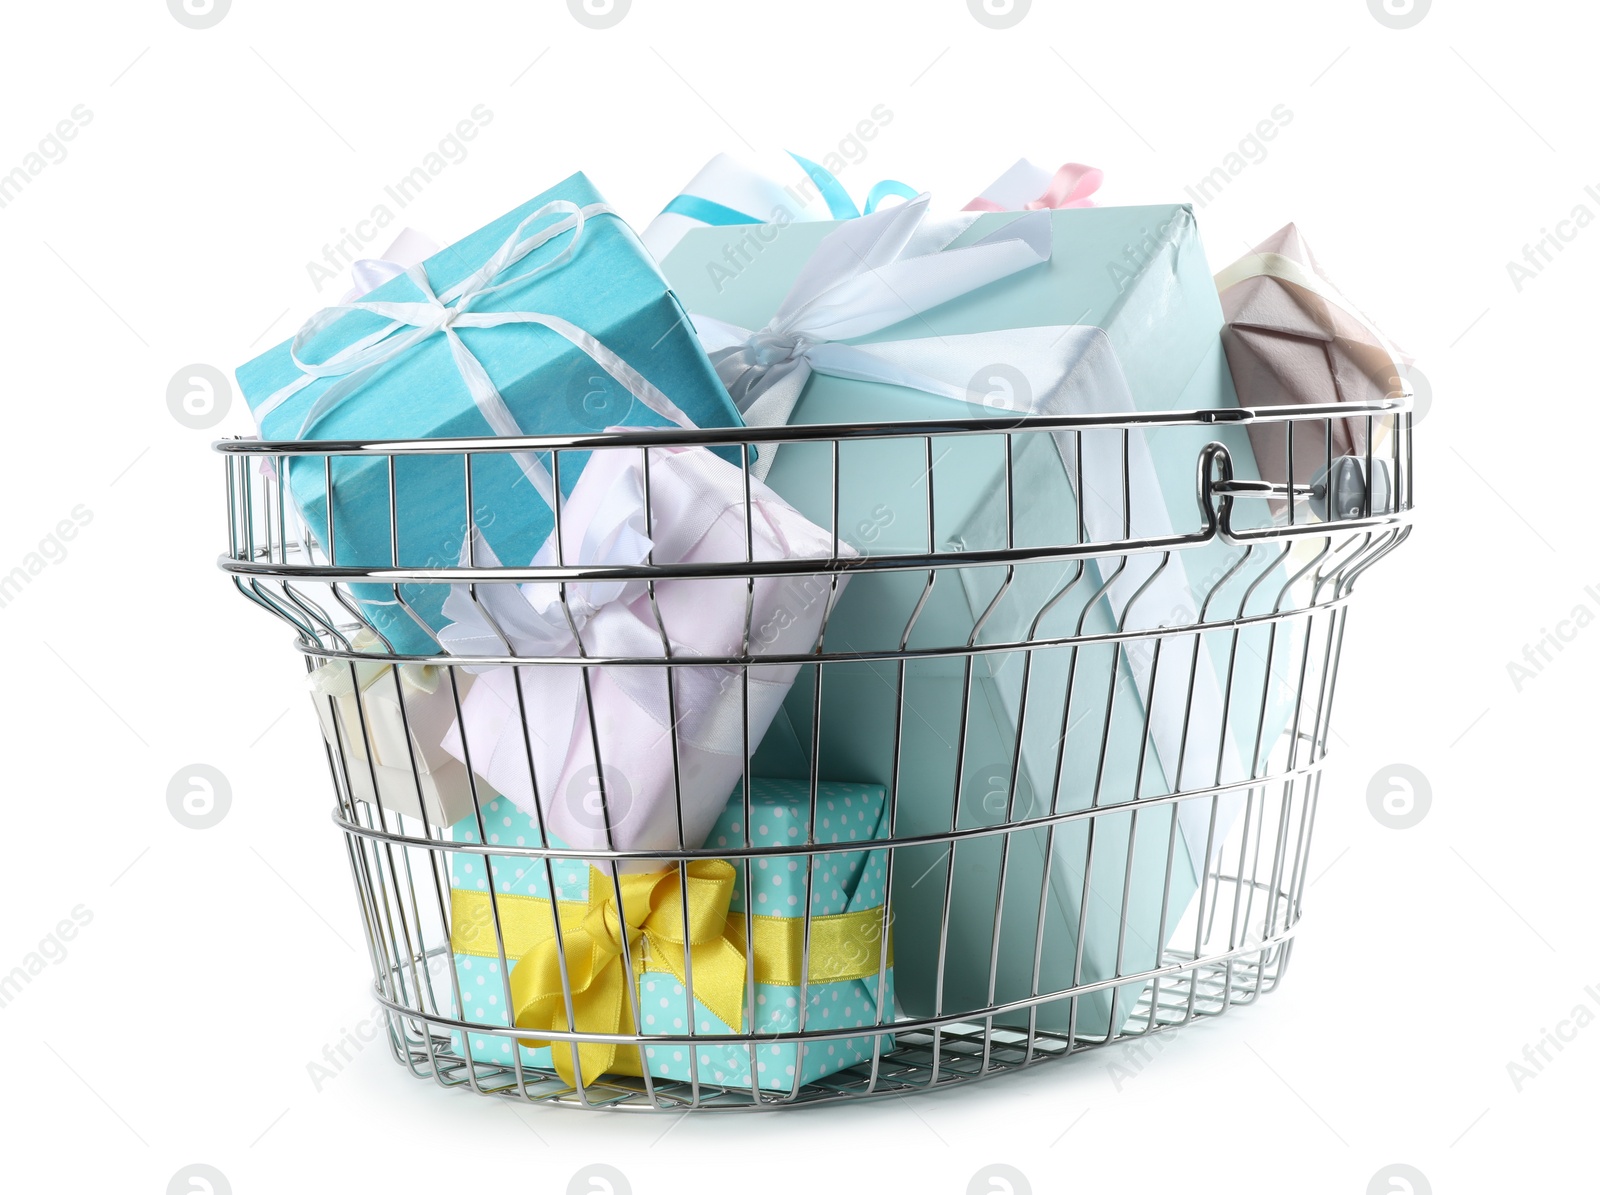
x=808, y=566
x=812, y=432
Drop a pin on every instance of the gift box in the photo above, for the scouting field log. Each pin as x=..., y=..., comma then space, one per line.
x=572, y=330
x=846, y=923
x=1131, y=323
x=901, y=317
x=1292, y=338
x=360, y=704
x=635, y=757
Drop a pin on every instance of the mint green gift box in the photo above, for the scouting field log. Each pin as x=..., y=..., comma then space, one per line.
x=609, y=288
x=842, y=882
x=1140, y=275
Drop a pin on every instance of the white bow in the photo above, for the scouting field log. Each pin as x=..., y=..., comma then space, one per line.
x=607, y=618
x=880, y=270
x=671, y=738
x=533, y=619
x=412, y=322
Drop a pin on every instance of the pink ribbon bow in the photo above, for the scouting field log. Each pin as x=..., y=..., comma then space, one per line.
x=1071, y=186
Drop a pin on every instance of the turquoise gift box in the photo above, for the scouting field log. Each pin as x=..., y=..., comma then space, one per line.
x=1086, y=727
x=847, y=889
x=610, y=288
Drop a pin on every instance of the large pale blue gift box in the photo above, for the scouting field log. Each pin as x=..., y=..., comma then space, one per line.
x=842, y=881
x=942, y=733
x=610, y=288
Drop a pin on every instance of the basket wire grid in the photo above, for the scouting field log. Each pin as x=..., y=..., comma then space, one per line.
x=1296, y=547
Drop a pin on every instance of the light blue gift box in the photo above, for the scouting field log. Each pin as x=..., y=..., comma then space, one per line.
x=1139, y=274
x=846, y=881
x=610, y=288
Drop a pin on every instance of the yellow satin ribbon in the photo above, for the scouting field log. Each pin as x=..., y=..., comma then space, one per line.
x=842, y=946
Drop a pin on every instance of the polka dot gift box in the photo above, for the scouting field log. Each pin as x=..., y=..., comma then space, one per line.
x=745, y=970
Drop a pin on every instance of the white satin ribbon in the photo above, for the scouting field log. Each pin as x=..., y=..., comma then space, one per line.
x=413, y=322
x=872, y=273
x=672, y=740
x=532, y=619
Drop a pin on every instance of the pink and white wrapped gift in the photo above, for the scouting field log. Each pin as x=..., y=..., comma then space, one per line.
x=538, y=737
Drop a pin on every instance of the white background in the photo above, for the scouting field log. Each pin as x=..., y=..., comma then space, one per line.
x=218, y=963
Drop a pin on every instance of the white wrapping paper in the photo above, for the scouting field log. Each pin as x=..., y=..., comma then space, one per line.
x=624, y=795
x=405, y=753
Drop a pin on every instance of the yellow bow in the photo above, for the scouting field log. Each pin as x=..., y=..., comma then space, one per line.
x=830, y=949
x=652, y=917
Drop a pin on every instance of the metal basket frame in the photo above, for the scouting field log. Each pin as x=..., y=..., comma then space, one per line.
x=1249, y=904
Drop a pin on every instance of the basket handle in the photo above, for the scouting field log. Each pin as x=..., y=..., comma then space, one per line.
x=1352, y=496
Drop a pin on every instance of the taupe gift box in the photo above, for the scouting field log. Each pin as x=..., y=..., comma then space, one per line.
x=1291, y=338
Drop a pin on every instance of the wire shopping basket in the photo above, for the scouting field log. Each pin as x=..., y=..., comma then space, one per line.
x=1093, y=744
